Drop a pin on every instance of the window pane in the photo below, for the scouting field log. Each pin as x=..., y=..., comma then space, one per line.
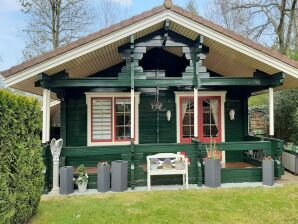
x=206, y=131
x=186, y=132
x=101, y=119
x=214, y=131
x=187, y=109
x=123, y=120
x=206, y=118
x=210, y=118
x=120, y=119
x=127, y=119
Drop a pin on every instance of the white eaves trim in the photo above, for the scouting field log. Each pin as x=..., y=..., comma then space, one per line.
x=234, y=44
x=54, y=103
x=87, y=48
x=141, y=25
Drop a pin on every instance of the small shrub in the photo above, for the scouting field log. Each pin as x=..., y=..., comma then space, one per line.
x=21, y=179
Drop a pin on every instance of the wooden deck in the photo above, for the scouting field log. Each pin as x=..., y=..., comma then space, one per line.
x=238, y=165
x=91, y=170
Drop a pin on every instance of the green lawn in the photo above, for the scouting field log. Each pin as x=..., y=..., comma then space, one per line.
x=255, y=205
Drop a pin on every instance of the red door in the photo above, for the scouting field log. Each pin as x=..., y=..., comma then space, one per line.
x=209, y=119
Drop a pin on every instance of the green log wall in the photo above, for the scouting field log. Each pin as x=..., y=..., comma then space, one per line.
x=75, y=120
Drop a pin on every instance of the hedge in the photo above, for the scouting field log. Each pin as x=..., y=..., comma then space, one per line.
x=21, y=178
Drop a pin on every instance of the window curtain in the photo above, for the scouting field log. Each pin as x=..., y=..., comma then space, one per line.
x=184, y=107
x=214, y=110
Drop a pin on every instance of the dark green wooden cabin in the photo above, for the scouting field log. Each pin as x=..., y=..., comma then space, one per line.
x=162, y=81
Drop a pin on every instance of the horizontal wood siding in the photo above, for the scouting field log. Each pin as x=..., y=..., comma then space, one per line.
x=234, y=128
x=76, y=123
x=238, y=175
x=148, y=119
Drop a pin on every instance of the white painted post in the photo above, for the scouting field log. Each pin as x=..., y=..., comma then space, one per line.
x=48, y=115
x=56, y=147
x=196, y=107
x=271, y=112
x=132, y=114
x=44, y=116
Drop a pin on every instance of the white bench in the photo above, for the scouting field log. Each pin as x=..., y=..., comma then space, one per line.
x=172, y=171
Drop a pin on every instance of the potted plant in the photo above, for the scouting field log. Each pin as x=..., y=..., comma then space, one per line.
x=180, y=164
x=154, y=162
x=268, y=171
x=103, y=177
x=212, y=165
x=82, y=179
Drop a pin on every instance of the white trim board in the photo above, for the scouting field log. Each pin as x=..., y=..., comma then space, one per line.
x=86, y=48
x=89, y=95
x=141, y=25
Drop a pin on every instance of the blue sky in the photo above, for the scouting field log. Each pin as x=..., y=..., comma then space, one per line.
x=12, y=20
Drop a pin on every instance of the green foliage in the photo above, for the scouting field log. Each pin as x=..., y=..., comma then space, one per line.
x=192, y=7
x=242, y=205
x=21, y=179
x=285, y=106
x=262, y=109
x=285, y=111
x=83, y=176
x=258, y=100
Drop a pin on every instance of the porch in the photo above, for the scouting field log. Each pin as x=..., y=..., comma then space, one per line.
x=247, y=170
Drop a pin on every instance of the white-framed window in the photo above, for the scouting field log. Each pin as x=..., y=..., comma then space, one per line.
x=109, y=118
x=211, y=119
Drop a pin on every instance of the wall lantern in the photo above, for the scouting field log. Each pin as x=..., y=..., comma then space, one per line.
x=168, y=114
x=232, y=114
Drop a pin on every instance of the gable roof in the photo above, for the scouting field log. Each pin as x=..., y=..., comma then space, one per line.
x=174, y=13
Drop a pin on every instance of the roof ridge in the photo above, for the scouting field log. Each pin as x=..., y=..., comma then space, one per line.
x=92, y=36
x=168, y=5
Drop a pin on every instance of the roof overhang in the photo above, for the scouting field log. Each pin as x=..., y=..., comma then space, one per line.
x=230, y=54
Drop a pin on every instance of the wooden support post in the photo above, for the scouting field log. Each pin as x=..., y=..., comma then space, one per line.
x=44, y=116
x=196, y=108
x=132, y=112
x=48, y=115
x=271, y=112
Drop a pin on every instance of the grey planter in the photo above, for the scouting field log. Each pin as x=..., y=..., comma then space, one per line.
x=268, y=172
x=66, y=180
x=212, y=173
x=119, y=174
x=290, y=161
x=103, y=178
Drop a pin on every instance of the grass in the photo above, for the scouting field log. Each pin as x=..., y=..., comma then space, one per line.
x=254, y=205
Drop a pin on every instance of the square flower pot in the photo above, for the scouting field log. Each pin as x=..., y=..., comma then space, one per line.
x=66, y=180
x=212, y=173
x=268, y=172
x=103, y=178
x=119, y=173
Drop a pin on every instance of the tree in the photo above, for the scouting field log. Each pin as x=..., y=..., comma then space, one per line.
x=220, y=12
x=272, y=20
x=53, y=23
x=192, y=6
x=110, y=12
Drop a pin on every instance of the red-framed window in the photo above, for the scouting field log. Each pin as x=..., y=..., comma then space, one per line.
x=186, y=119
x=101, y=119
x=122, y=115
x=210, y=118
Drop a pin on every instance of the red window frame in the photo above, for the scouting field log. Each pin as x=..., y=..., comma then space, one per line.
x=183, y=140
x=103, y=140
x=115, y=121
x=200, y=126
x=200, y=119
